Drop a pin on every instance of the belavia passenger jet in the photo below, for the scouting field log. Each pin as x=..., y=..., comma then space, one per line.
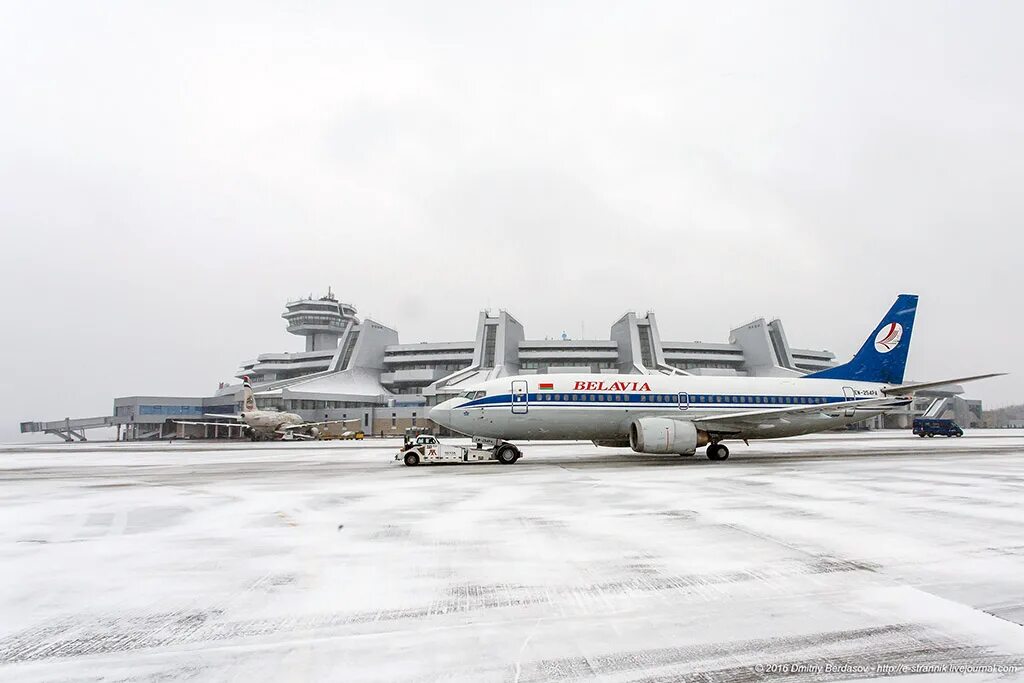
x=680, y=413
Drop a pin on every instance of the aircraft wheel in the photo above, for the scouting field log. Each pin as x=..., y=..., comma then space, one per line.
x=507, y=455
x=411, y=459
x=717, y=451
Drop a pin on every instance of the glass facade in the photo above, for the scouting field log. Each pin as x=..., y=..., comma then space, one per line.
x=171, y=410
x=490, y=341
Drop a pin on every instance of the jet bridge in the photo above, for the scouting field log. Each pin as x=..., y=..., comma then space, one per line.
x=68, y=429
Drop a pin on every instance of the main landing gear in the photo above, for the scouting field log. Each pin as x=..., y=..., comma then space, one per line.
x=717, y=451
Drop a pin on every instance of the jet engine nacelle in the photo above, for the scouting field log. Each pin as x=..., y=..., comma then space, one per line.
x=662, y=435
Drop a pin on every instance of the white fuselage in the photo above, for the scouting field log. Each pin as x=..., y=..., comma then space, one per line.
x=602, y=407
x=269, y=421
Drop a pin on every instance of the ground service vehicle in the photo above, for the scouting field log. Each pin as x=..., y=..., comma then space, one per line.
x=339, y=430
x=347, y=434
x=930, y=426
x=426, y=449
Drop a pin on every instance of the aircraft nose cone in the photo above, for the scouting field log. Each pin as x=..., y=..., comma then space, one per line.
x=441, y=414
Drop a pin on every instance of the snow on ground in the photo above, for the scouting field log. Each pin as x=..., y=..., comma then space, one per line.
x=330, y=561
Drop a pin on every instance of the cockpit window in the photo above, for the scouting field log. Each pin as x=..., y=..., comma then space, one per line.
x=465, y=394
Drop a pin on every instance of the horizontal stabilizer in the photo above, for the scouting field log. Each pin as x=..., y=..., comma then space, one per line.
x=904, y=389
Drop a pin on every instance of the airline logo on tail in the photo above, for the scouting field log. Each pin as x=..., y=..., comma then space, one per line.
x=888, y=338
x=250, y=401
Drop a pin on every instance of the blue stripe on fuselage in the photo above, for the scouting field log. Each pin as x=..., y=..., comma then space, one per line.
x=654, y=400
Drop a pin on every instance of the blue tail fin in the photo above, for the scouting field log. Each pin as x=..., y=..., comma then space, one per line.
x=884, y=354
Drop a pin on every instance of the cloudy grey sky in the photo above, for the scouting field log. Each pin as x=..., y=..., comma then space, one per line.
x=171, y=173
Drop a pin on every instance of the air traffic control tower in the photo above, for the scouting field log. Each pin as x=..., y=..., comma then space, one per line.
x=321, y=321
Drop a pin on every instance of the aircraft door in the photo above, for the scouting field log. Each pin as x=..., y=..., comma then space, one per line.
x=520, y=397
x=684, y=400
x=849, y=396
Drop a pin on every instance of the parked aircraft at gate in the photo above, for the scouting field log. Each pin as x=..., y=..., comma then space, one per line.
x=265, y=425
x=680, y=413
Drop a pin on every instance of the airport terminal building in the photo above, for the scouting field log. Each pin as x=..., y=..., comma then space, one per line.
x=353, y=368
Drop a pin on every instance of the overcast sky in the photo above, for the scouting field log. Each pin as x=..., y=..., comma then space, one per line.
x=172, y=173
